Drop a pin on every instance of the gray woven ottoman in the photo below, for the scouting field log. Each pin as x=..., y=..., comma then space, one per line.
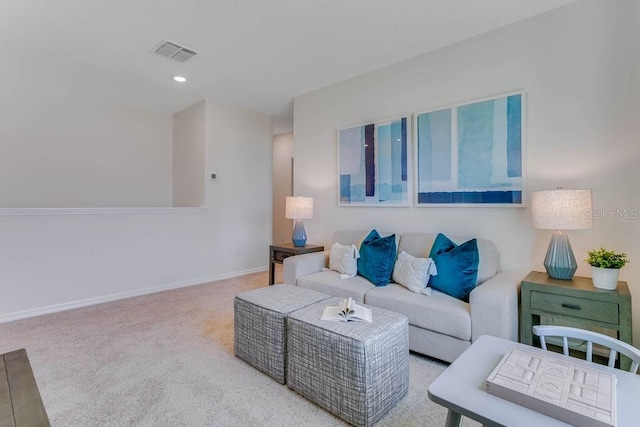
x=260, y=327
x=357, y=371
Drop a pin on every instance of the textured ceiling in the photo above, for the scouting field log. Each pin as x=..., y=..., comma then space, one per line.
x=255, y=54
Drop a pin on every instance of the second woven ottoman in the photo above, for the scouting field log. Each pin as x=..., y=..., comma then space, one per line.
x=260, y=328
x=356, y=370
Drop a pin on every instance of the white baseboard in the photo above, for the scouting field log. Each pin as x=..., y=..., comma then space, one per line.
x=8, y=317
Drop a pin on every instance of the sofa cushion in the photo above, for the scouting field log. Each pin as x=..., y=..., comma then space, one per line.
x=329, y=282
x=416, y=244
x=413, y=272
x=438, y=312
x=419, y=244
x=344, y=259
x=457, y=266
x=377, y=257
x=348, y=237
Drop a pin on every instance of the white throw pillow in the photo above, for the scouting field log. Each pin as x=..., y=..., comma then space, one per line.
x=414, y=273
x=344, y=259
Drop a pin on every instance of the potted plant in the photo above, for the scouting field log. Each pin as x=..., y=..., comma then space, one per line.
x=605, y=267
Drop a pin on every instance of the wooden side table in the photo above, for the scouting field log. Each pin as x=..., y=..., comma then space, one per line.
x=277, y=254
x=575, y=300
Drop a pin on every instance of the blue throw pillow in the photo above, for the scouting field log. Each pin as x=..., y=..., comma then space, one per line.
x=377, y=257
x=457, y=266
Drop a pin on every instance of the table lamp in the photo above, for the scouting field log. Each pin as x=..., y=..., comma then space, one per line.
x=561, y=210
x=297, y=209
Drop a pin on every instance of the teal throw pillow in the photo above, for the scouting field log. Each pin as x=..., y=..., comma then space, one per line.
x=377, y=257
x=457, y=266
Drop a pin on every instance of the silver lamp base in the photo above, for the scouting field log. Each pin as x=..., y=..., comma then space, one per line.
x=560, y=262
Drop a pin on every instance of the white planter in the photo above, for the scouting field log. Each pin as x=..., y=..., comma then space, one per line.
x=605, y=278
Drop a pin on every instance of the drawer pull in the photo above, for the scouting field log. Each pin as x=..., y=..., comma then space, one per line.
x=571, y=306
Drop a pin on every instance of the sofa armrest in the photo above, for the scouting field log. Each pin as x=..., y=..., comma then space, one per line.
x=494, y=306
x=301, y=265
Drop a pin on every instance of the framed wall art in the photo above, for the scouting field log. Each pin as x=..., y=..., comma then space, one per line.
x=472, y=154
x=374, y=161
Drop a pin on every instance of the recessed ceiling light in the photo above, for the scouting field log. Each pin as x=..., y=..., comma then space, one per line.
x=179, y=79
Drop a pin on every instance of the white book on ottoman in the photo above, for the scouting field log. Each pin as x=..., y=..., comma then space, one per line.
x=347, y=311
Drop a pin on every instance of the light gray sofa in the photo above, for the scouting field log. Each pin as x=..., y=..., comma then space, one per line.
x=440, y=326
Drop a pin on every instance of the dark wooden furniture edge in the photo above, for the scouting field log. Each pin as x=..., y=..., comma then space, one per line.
x=278, y=252
x=20, y=401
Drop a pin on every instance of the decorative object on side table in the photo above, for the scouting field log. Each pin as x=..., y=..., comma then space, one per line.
x=297, y=209
x=561, y=210
x=605, y=267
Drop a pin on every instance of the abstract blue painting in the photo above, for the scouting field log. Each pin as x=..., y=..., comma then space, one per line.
x=374, y=164
x=471, y=154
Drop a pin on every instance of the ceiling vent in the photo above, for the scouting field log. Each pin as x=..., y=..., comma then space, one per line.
x=174, y=51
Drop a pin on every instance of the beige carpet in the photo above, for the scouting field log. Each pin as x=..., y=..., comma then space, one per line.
x=166, y=359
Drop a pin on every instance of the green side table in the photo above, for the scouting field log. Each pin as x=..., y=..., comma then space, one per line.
x=575, y=301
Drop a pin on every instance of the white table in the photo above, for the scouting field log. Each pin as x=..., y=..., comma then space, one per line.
x=461, y=389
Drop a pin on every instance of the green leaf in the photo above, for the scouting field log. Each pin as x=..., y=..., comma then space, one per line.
x=605, y=258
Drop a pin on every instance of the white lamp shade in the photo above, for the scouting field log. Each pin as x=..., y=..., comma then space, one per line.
x=299, y=208
x=562, y=209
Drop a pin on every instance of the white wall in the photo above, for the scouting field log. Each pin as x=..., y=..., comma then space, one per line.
x=52, y=262
x=282, y=185
x=189, y=140
x=58, y=149
x=239, y=200
x=579, y=68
